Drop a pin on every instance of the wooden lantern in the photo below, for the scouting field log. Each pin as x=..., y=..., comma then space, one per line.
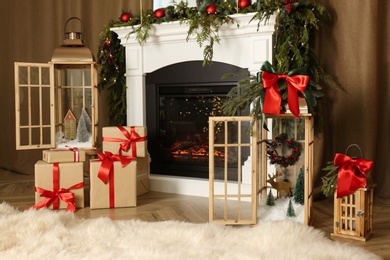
x=301, y=130
x=46, y=93
x=353, y=214
x=234, y=195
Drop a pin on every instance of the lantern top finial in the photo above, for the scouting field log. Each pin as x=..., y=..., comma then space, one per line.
x=72, y=49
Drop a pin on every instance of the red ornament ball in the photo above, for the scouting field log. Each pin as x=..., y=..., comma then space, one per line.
x=125, y=17
x=243, y=3
x=159, y=13
x=211, y=9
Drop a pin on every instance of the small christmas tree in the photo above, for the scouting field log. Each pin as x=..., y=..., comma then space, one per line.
x=87, y=119
x=299, y=189
x=270, y=199
x=290, y=210
x=82, y=131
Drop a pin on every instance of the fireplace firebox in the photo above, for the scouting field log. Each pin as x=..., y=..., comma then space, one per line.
x=180, y=98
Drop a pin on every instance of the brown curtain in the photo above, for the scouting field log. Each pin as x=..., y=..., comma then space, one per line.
x=353, y=47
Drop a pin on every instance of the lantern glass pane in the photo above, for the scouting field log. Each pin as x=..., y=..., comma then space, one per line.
x=88, y=100
x=74, y=77
x=46, y=135
x=45, y=76
x=23, y=99
x=35, y=136
x=87, y=78
x=46, y=105
x=34, y=76
x=35, y=106
x=23, y=76
x=24, y=136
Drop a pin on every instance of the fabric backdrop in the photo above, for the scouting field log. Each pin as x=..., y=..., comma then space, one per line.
x=352, y=46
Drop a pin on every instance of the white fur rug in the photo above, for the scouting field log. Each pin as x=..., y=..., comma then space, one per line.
x=46, y=234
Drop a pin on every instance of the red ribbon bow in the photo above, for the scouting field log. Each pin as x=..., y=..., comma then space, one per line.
x=351, y=175
x=131, y=139
x=107, y=166
x=76, y=154
x=273, y=98
x=52, y=197
x=106, y=171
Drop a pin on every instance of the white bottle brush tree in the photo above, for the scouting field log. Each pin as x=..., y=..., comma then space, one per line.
x=84, y=127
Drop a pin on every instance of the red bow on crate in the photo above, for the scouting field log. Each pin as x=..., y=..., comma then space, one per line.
x=351, y=175
x=273, y=98
x=53, y=197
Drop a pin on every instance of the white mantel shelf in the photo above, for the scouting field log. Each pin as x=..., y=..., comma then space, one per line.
x=246, y=46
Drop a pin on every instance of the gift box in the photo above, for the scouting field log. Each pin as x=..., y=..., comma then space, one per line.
x=113, y=182
x=63, y=155
x=143, y=173
x=125, y=140
x=59, y=185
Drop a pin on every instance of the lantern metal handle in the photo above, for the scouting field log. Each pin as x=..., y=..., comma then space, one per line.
x=355, y=145
x=82, y=27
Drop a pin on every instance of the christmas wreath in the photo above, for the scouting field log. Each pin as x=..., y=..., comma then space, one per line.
x=284, y=161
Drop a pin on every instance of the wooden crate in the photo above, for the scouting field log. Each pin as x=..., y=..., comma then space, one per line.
x=353, y=215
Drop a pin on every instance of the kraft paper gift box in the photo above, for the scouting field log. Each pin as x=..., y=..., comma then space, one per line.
x=143, y=175
x=120, y=189
x=63, y=155
x=125, y=140
x=67, y=179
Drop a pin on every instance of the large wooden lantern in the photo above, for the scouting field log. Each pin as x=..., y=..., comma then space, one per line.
x=56, y=103
x=288, y=132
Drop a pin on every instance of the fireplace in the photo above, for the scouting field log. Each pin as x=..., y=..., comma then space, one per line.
x=245, y=46
x=181, y=98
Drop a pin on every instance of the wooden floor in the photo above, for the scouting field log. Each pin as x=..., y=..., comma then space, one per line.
x=17, y=190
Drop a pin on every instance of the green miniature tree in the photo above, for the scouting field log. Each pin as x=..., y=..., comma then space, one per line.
x=290, y=210
x=270, y=199
x=299, y=189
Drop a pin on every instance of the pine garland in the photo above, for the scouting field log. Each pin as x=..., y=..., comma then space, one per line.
x=296, y=22
x=111, y=58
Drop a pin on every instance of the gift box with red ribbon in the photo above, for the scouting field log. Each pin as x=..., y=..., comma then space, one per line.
x=59, y=185
x=113, y=181
x=125, y=140
x=63, y=155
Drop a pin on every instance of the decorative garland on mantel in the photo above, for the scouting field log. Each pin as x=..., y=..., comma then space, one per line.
x=293, y=48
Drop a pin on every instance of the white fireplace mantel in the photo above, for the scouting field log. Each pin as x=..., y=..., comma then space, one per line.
x=242, y=44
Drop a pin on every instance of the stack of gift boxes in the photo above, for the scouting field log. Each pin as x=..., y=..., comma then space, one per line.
x=116, y=177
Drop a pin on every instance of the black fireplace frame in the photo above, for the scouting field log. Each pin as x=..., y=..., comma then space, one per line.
x=186, y=78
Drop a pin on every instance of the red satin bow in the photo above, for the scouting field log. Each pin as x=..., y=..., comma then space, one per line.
x=273, y=98
x=351, y=175
x=131, y=139
x=107, y=166
x=52, y=197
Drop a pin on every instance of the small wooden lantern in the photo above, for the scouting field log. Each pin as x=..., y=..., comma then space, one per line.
x=45, y=93
x=353, y=214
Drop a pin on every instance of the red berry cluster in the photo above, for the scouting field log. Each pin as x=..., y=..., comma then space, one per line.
x=289, y=5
